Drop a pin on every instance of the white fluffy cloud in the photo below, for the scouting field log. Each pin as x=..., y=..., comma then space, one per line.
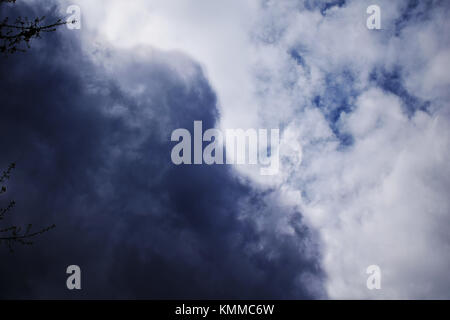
x=381, y=200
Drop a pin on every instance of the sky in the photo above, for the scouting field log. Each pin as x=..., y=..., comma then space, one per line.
x=87, y=116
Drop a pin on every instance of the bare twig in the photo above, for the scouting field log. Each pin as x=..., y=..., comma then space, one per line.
x=12, y=235
x=16, y=36
x=15, y=235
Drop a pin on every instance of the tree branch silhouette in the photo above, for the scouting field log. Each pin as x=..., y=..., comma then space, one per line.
x=16, y=36
x=13, y=234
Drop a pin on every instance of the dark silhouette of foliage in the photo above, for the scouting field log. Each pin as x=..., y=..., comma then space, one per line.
x=16, y=36
x=14, y=234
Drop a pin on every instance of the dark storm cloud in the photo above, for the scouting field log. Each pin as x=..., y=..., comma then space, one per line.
x=93, y=157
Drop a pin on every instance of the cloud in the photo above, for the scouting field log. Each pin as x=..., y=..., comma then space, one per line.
x=374, y=176
x=90, y=132
x=365, y=105
x=364, y=125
